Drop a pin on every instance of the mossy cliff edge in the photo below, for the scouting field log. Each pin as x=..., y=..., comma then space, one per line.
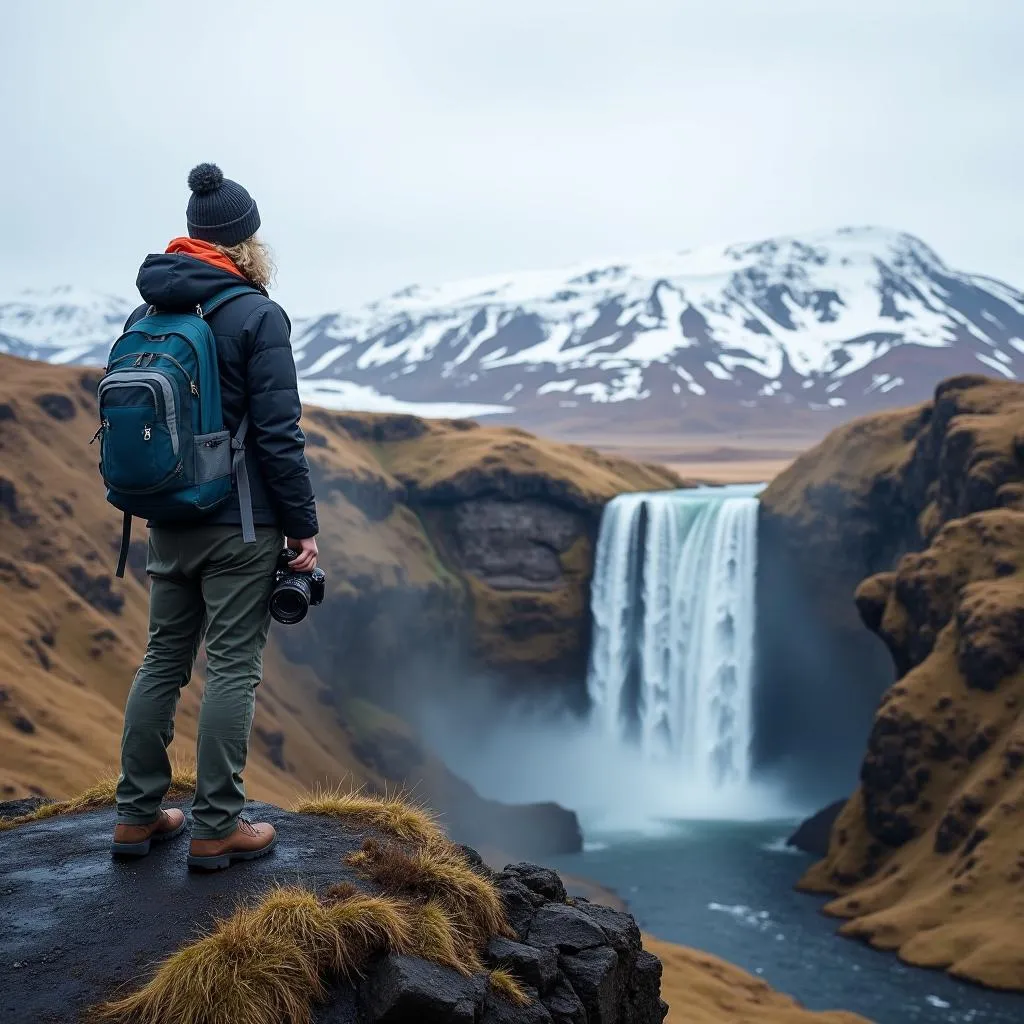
x=927, y=857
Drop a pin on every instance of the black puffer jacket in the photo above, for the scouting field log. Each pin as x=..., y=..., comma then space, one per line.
x=257, y=372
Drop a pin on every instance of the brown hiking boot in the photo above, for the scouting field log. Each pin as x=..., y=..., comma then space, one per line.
x=134, y=840
x=247, y=842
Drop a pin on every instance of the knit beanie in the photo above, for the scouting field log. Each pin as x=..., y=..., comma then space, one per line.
x=220, y=210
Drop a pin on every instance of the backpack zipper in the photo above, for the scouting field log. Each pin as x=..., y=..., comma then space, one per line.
x=147, y=359
x=193, y=386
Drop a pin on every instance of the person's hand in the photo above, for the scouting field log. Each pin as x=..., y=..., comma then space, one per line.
x=305, y=560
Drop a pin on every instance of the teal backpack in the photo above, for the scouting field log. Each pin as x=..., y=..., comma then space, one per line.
x=164, y=452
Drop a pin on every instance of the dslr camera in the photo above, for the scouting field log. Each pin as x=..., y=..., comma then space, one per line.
x=294, y=592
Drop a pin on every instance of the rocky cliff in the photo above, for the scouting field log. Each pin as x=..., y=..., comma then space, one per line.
x=451, y=550
x=839, y=513
x=927, y=856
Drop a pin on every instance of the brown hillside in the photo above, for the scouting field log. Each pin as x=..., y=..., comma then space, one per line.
x=928, y=855
x=421, y=553
x=702, y=989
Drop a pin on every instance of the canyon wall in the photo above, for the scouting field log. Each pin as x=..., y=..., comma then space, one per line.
x=927, y=858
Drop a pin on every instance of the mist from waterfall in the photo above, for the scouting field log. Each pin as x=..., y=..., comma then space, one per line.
x=673, y=604
x=668, y=737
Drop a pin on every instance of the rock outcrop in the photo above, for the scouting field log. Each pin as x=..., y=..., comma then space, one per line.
x=453, y=552
x=814, y=833
x=927, y=855
x=76, y=927
x=839, y=513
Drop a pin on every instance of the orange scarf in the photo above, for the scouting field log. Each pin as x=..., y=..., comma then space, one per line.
x=205, y=251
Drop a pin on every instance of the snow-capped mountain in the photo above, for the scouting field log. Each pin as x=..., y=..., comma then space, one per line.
x=62, y=325
x=781, y=331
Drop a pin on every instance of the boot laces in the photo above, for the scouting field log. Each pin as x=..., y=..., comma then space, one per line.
x=245, y=825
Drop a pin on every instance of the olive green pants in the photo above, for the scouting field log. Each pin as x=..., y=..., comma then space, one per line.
x=205, y=580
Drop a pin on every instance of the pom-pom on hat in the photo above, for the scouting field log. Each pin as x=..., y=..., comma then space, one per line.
x=220, y=210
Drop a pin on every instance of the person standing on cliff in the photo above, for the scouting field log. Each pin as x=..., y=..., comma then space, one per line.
x=204, y=579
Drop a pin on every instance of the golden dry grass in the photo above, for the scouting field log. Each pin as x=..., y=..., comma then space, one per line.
x=270, y=963
x=101, y=794
x=439, y=873
x=393, y=813
x=438, y=937
x=504, y=983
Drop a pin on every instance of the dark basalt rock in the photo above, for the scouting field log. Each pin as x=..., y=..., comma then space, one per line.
x=565, y=1007
x=498, y=1011
x=566, y=929
x=813, y=834
x=16, y=808
x=514, y=544
x=645, y=1002
x=519, y=904
x=537, y=968
x=594, y=976
x=542, y=881
x=401, y=989
x=620, y=928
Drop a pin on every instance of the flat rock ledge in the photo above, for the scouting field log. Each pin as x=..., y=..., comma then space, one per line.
x=77, y=927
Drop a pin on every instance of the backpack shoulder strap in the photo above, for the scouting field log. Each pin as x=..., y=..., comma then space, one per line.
x=241, y=473
x=238, y=466
x=225, y=296
x=126, y=539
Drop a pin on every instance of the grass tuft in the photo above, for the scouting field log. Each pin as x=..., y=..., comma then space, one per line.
x=437, y=872
x=271, y=963
x=507, y=986
x=372, y=924
x=102, y=793
x=391, y=813
x=439, y=938
x=237, y=973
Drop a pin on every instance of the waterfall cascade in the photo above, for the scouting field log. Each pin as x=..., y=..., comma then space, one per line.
x=671, y=666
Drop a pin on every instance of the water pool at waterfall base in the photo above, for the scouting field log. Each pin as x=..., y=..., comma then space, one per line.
x=727, y=887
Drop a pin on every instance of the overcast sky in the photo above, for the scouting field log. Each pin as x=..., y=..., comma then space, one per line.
x=389, y=142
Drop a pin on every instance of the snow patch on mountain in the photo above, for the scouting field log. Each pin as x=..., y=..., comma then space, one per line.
x=847, y=320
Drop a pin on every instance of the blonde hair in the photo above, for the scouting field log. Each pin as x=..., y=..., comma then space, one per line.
x=253, y=258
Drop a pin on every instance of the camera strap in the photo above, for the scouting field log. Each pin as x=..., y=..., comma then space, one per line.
x=241, y=474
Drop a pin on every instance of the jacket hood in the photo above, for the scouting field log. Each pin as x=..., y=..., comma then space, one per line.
x=177, y=282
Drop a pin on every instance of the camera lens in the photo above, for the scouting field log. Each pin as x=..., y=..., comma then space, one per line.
x=289, y=602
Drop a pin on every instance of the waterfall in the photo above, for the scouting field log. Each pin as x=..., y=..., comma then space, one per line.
x=671, y=665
